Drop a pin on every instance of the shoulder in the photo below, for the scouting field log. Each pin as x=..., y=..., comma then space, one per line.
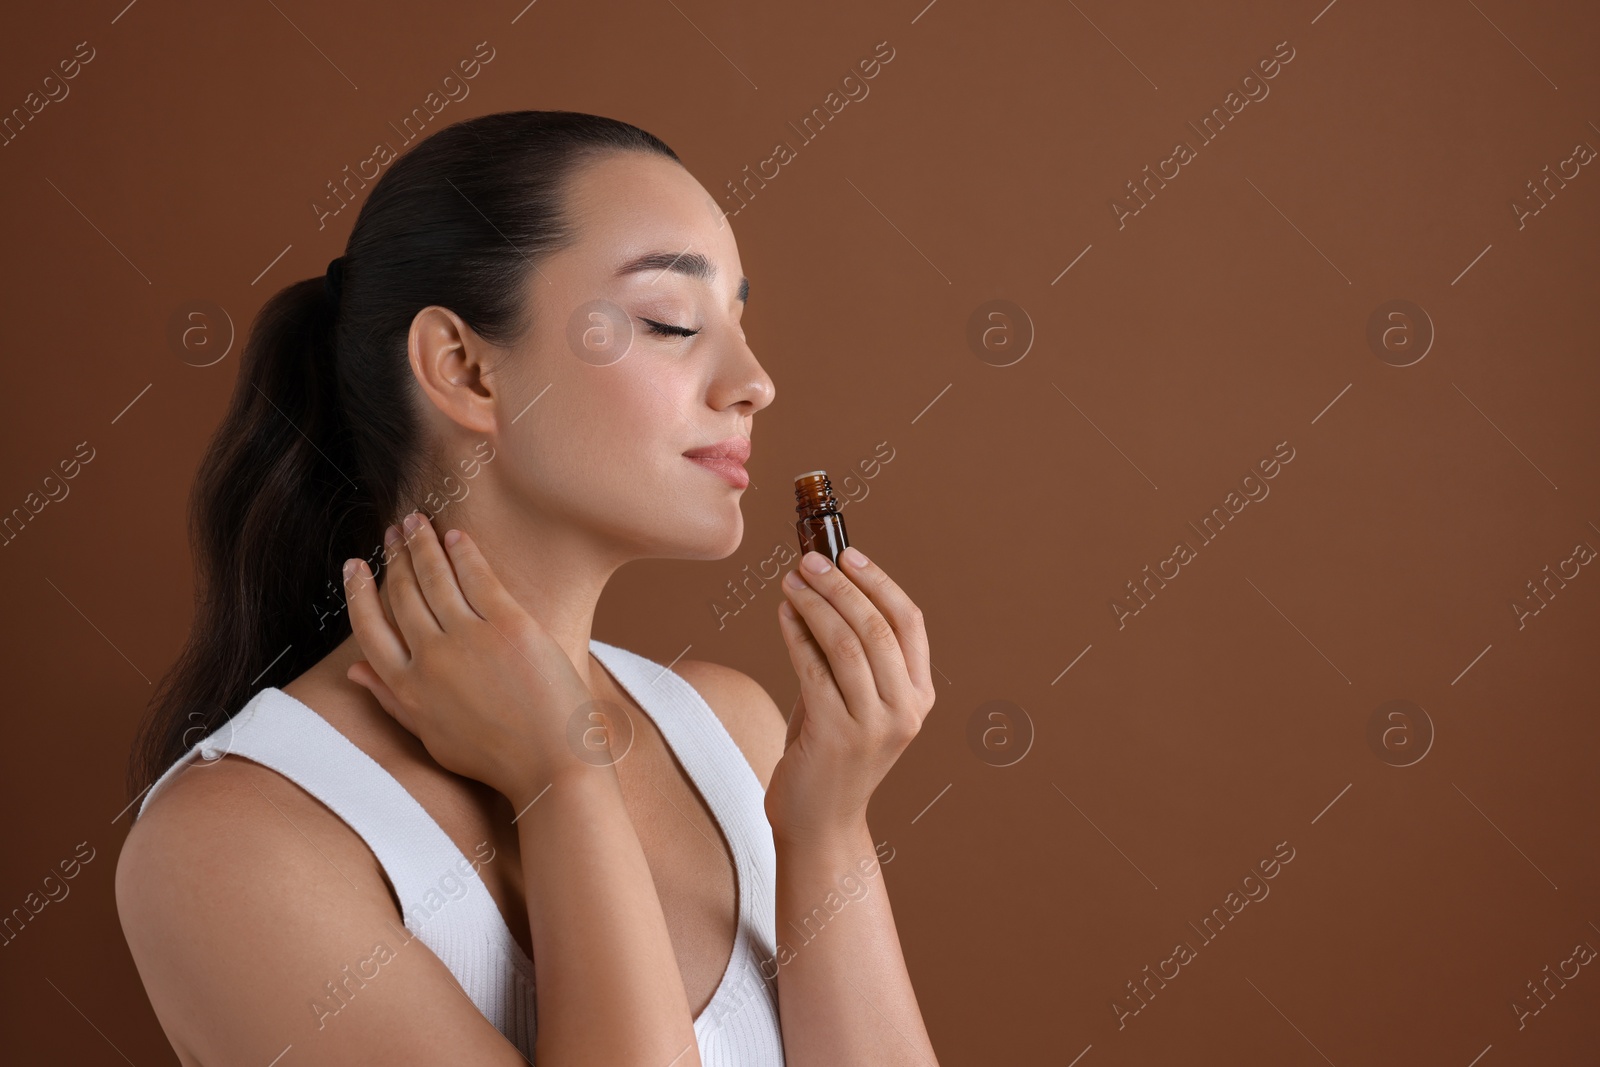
x=756, y=723
x=221, y=816
x=254, y=915
x=205, y=810
x=222, y=842
x=213, y=882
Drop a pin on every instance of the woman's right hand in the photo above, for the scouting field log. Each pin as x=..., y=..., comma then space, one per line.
x=477, y=679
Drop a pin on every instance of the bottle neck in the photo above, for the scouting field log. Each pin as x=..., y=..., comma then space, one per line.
x=813, y=494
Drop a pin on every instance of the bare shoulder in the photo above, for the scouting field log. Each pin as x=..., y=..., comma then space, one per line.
x=216, y=821
x=220, y=862
x=257, y=919
x=208, y=820
x=746, y=709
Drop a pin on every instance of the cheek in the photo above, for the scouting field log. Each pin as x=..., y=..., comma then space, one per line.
x=648, y=405
x=617, y=426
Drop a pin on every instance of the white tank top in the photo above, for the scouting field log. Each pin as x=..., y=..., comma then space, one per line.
x=446, y=905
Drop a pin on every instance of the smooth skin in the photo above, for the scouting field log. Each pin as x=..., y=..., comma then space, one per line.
x=242, y=897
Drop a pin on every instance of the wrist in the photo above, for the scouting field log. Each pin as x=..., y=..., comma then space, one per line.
x=570, y=776
x=846, y=839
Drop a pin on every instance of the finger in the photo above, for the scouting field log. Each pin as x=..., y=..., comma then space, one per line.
x=379, y=640
x=362, y=673
x=435, y=575
x=874, y=633
x=484, y=593
x=844, y=650
x=811, y=667
x=902, y=613
x=388, y=610
x=411, y=612
x=390, y=548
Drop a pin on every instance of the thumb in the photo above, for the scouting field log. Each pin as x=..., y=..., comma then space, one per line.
x=362, y=674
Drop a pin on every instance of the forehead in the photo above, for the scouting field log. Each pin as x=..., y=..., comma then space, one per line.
x=625, y=204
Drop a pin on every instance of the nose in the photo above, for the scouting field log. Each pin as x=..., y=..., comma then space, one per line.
x=742, y=381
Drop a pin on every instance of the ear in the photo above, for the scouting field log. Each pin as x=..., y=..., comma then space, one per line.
x=452, y=364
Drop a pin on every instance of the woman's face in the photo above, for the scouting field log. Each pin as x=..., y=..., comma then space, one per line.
x=619, y=402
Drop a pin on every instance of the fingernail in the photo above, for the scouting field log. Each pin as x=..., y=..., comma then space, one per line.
x=349, y=569
x=854, y=557
x=816, y=562
x=391, y=536
x=451, y=538
x=413, y=523
x=794, y=581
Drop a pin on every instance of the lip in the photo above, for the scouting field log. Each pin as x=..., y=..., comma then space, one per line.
x=730, y=469
x=725, y=459
x=736, y=448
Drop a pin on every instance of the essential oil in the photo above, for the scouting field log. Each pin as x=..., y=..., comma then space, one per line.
x=820, y=525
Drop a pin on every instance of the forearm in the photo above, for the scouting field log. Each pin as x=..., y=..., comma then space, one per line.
x=844, y=994
x=608, y=986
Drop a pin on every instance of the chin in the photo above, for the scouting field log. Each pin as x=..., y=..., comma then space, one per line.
x=716, y=542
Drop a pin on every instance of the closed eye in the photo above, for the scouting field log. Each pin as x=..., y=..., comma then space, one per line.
x=668, y=330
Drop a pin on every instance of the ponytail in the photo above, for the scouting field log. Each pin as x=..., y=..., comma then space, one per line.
x=321, y=447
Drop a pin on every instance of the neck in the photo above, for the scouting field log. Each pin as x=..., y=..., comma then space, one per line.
x=553, y=570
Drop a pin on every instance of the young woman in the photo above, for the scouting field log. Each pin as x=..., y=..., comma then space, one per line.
x=400, y=820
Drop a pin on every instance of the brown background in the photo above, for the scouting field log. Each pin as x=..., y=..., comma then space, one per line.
x=1231, y=714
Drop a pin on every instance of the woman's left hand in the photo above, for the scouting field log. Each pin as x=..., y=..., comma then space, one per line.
x=860, y=651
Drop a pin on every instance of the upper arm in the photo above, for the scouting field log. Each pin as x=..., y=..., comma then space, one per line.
x=256, y=926
x=756, y=723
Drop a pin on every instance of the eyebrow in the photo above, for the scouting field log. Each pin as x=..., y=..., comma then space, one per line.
x=691, y=264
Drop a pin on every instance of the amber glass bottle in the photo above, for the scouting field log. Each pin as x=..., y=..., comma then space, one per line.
x=820, y=525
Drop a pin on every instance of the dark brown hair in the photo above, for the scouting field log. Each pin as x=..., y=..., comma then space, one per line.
x=321, y=445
